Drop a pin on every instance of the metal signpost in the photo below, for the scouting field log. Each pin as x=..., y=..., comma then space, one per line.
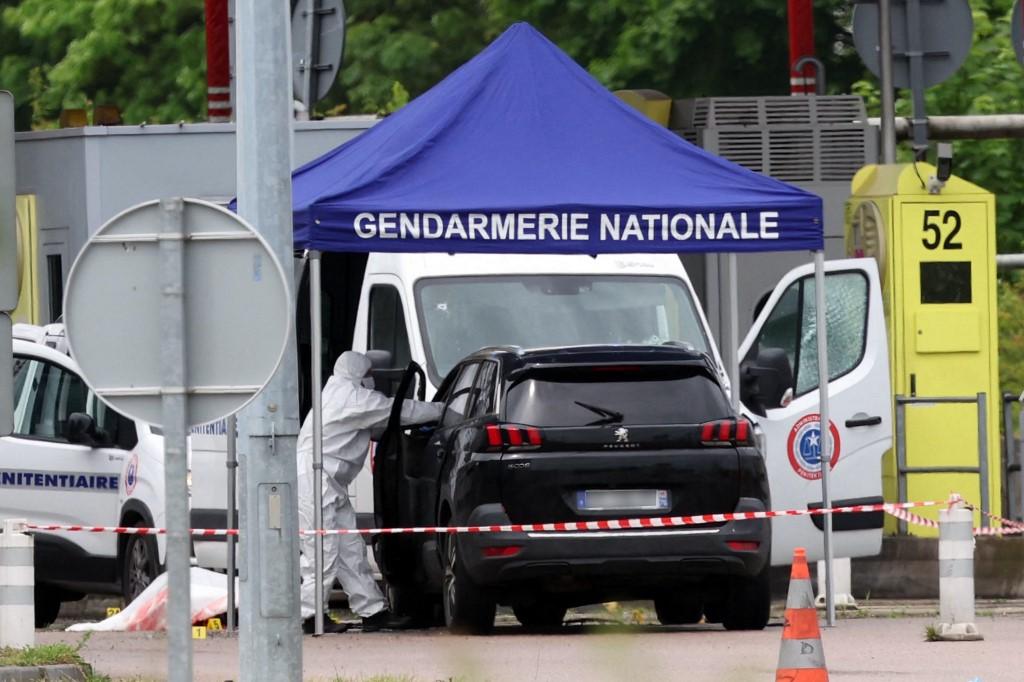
x=318, y=41
x=930, y=41
x=270, y=644
x=177, y=313
x=9, y=254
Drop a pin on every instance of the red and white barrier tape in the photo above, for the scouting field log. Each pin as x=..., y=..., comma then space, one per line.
x=1009, y=527
x=612, y=524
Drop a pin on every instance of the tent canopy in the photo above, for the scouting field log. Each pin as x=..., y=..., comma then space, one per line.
x=520, y=150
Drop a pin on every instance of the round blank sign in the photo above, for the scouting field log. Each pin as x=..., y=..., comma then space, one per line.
x=946, y=31
x=237, y=312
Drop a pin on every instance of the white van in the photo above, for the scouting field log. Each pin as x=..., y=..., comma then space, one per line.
x=435, y=309
x=72, y=460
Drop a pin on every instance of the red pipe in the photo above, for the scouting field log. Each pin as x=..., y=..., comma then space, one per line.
x=801, y=44
x=218, y=62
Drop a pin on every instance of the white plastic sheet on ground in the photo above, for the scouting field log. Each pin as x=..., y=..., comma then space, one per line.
x=149, y=610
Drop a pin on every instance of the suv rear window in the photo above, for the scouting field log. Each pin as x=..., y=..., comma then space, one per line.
x=679, y=397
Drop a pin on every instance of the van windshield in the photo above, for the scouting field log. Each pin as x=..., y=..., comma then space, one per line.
x=460, y=315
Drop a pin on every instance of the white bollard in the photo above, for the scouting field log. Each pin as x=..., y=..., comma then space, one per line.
x=841, y=581
x=956, y=575
x=17, y=586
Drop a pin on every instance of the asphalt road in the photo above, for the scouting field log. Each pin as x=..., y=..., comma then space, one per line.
x=888, y=647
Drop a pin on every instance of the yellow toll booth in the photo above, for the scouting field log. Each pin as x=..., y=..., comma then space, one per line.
x=936, y=252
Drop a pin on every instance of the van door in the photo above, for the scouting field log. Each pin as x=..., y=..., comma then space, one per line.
x=779, y=383
x=49, y=480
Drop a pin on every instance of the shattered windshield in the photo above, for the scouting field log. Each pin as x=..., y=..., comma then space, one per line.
x=460, y=315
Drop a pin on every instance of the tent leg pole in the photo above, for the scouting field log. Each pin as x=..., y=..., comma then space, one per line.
x=734, y=335
x=824, y=427
x=316, y=370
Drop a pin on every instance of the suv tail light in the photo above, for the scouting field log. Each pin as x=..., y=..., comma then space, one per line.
x=512, y=435
x=726, y=432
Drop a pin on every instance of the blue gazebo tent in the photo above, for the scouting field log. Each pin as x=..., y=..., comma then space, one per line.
x=521, y=135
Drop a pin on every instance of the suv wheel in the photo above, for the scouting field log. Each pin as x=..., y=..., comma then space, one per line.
x=140, y=565
x=47, y=601
x=467, y=608
x=749, y=602
x=540, y=614
x=679, y=608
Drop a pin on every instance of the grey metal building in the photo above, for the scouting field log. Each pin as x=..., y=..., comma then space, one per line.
x=82, y=177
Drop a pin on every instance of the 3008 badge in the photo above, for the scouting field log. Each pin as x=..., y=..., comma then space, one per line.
x=804, y=446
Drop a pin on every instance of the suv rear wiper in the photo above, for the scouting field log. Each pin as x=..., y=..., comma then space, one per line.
x=607, y=416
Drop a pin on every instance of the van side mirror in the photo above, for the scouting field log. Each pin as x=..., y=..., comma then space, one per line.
x=81, y=429
x=764, y=382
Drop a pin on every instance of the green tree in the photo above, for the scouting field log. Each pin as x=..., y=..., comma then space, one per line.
x=146, y=56
x=1011, y=334
x=402, y=46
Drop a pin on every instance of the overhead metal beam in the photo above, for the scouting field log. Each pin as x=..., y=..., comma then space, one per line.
x=974, y=127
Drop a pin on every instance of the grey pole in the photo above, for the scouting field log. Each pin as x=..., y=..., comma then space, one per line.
x=308, y=73
x=734, y=342
x=888, y=96
x=915, y=57
x=270, y=646
x=316, y=370
x=824, y=430
x=175, y=426
x=231, y=433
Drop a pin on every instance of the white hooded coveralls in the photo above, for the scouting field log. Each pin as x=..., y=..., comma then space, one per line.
x=350, y=412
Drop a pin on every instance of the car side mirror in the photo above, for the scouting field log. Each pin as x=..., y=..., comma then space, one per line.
x=80, y=429
x=764, y=382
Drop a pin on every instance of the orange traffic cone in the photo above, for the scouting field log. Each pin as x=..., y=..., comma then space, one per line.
x=801, y=657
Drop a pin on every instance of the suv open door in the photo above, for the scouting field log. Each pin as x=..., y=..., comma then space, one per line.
x=779, y=384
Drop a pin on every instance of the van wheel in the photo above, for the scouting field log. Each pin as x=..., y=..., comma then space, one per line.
x=539, y=615
x=679, y=608
x=47, y=605
x=140, y=565
x=467, y=608
x=749, y=602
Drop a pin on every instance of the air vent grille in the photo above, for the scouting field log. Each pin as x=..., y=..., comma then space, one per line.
x=797, y=139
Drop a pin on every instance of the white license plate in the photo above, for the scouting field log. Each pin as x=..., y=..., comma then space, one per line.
x=608, y=500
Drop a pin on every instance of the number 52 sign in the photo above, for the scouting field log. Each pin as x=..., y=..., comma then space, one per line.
x=942, y=229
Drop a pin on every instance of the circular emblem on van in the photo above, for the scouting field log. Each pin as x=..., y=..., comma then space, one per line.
x=804, y=446
x=131, y=474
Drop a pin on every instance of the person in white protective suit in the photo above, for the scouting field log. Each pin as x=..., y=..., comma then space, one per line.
x=351, y=409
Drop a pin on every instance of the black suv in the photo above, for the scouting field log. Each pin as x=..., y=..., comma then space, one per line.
x=571, y=434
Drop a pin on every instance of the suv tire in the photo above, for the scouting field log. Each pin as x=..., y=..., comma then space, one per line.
x=47, y=601
x=679, y=608
x=140, y=565
x=467, y=608
x=540, y=615
x=748, y=604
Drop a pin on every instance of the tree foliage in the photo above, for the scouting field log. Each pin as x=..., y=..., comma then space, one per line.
x=147, y=56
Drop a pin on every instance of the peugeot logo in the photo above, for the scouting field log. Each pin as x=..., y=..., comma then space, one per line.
x=622, y=435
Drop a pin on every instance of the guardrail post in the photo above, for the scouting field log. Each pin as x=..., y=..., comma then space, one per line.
x=983, y=456
x=17, y=586
x=901, y=458
x=956, y=575
x=1009, y=459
